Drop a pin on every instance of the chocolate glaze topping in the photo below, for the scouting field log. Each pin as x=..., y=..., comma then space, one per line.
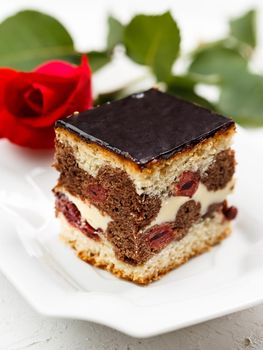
x=146, y=126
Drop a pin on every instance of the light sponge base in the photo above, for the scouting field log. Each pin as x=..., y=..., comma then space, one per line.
x=200, y=238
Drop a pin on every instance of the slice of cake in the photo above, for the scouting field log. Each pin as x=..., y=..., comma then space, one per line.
x=143, y=183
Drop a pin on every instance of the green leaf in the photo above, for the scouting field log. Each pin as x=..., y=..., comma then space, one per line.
x=225, y=63
x=242, y=99
x=98, y=59
x=184, y=86
x=115, y=33
x=108, y=97
x=153, y=41
x=30, y=37
x=244, y=28
x=191, y=96
x=184, y=81
x=189, y=80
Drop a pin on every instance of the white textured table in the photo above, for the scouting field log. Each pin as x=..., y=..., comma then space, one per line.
x=20, y=326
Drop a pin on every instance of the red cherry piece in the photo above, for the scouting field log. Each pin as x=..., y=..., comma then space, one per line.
x=230, y=213
x=89, y=231
x=160, y=236
x=96, y=193
x=73, y=216
x=69, y=210
x=186, y=185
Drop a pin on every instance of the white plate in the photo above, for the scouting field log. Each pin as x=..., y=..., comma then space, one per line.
x=56, y=283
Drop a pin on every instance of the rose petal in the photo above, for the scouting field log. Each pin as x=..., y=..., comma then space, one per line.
x=56, y=94
x=23, y=135
x=56, y=68
x=82, y=92
x=6, y=75
x=14, y=100
x=33, y=97
x=79, y=98
x=50, y=99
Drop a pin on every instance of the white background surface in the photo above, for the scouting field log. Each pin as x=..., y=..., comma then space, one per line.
x=21, y=327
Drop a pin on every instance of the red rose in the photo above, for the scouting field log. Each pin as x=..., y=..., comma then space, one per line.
x=31, y=102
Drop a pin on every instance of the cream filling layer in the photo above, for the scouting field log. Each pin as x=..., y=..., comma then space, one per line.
x=171, y=205
x=90, y=213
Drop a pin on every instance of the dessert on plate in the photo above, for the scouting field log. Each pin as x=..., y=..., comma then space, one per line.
x=143, y=183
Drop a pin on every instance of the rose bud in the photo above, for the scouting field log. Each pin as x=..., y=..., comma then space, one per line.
x=30, y=103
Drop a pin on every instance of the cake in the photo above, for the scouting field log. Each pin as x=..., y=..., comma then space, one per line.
x=143, y=183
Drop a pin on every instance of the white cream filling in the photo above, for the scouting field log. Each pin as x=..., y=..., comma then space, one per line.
x=90, y=213
x=171, y=205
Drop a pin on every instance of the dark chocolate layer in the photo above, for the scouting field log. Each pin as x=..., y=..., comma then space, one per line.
x=146, y=126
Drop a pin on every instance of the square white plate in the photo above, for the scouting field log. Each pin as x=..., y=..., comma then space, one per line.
x=56, y=283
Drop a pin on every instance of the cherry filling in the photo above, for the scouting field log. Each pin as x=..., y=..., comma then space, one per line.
x=73, y=216
x=186, y=185
x=160, y=236
x=230, y=213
